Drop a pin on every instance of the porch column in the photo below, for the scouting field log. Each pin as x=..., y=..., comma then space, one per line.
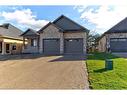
x=23, y=42
x=62, y=44
x=3, y=48
x=38, y=40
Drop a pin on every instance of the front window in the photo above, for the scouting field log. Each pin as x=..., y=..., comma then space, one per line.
x=14, y=47
x=7, y=48
x=34, y=42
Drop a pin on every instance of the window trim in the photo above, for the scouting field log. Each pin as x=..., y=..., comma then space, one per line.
x=34, y=43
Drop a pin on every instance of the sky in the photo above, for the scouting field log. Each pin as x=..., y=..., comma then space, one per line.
x=98, y=18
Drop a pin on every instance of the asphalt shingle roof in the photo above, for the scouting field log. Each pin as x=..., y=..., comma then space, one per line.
x=7, y=32
x=119, y=27
x=65, y=25
x=29, y=32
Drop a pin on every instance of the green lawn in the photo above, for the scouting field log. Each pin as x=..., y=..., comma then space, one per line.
x=107, y=79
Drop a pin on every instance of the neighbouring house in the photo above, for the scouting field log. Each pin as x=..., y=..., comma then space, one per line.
x=115, y=39
x=10, y=40
x=58, y=37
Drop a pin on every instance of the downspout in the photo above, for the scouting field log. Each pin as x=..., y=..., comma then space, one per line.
x=38, y=42
x=87, y=34
x=107, y=42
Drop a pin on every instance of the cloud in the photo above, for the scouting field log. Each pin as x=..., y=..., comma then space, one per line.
x=80, y=8
x=103, y=17
x=24, y=17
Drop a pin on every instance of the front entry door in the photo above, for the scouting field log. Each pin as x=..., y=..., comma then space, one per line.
x=7, y=48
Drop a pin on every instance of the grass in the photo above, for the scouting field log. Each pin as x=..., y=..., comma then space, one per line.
x=107, y=79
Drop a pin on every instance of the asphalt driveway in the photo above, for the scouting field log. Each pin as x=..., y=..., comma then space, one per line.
x=43, y=72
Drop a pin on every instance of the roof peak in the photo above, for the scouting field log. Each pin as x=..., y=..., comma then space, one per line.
x=30, y=29
x=74, y=22
x=60, y=18
x=68, y=20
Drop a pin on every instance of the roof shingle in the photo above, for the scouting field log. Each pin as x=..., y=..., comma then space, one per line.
x=8, y=30
x=119, y=27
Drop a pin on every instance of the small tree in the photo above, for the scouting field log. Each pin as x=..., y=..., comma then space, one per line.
x=92, y=41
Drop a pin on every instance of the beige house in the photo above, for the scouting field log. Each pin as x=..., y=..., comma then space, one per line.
x=115, y=39
x=10, y=40
x=58, y=37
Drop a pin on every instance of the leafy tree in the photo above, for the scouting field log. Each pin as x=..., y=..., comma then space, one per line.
x=92, y=40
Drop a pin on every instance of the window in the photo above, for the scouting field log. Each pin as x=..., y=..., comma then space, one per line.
x=119, y=39
x=14, y=47
x=33, y=42
x=122, y=39
x=77, y=40
x=69, y=40
x=7, y=48
x=114, y=39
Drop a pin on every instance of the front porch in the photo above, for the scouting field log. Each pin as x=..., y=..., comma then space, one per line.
x=4, y=48
x=30, y=42
x=1, y=48
x=10, y=48
x=30, y=45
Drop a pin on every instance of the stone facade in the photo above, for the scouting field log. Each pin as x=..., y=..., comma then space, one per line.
x=102, y=44
x=53, y=32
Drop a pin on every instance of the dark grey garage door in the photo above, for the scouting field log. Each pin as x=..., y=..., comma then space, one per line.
x=51, y=46
x=118, y=44
x=73, y=45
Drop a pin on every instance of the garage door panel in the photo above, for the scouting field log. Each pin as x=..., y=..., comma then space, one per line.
x=73, y=45
x=51, y=46
x=118, y=45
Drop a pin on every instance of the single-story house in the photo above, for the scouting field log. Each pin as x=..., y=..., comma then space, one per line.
x=10, y=40
x=58, y=37
x=115, y=39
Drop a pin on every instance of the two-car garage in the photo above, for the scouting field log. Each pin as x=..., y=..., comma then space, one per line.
x=118, y=44
x=71, y=46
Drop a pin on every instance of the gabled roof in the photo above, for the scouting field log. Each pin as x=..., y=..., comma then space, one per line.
x=119, y=27
x=64, y=24
x=29, y=32
x=68, y=25
x=50, y=23
x=8, y=30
